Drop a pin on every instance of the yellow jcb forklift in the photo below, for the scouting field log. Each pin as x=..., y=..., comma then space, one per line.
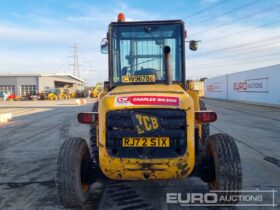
x=148, y=126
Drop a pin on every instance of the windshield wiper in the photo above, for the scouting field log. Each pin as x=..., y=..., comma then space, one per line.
x=141, y=63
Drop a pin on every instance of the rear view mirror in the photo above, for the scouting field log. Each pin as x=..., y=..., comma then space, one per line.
x=193, y=45
x=104, y=46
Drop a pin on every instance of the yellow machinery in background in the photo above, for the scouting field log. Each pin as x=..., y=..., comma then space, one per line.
x=73, y=95
x=52, y=94
x=56, y=94
x=65, y=94
x=97, y=90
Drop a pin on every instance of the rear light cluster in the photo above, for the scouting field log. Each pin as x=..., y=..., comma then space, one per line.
x=205, y=117
x=88, y=117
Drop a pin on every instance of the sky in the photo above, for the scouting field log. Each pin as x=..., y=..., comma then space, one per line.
x=38, y=36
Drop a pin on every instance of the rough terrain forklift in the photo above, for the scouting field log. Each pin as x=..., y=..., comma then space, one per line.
x=147, y=126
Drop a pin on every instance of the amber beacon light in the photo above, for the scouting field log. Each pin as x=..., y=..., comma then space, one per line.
x=121, y=17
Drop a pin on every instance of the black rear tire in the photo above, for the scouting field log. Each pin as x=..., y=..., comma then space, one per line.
x=72, y=173
x=93, y=137
x=226, y=167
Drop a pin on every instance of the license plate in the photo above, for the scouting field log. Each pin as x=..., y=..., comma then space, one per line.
x=145, y=142
x=138, y=78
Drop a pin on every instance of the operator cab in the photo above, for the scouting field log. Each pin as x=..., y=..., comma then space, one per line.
x=137, y=51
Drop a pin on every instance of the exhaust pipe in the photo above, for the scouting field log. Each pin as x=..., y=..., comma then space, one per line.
x=167, y=65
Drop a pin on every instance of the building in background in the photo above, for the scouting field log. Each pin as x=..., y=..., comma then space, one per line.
x=26, y=84
x=259, y=85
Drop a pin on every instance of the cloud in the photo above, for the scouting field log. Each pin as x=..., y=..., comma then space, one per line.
x=103, y=15
x=24, y=16
x=248, y=47
x=35, y=42
x=40, y=43
x=54, y=36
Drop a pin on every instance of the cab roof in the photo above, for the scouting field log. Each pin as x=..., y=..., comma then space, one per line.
x=150, y=22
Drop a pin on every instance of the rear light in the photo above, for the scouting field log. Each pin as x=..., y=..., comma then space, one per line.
x=205, y=116
x=88, y=117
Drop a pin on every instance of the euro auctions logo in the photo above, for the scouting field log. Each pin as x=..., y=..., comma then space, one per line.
x=224, y=198
x=240, y=86
x=216, y=87
x=259, y=85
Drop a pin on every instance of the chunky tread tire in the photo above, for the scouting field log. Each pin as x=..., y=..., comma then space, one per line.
x=227, y=164
x=68, y=175
x=93, y=137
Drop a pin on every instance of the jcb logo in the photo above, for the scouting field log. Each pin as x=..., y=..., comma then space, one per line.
x=145, y=123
